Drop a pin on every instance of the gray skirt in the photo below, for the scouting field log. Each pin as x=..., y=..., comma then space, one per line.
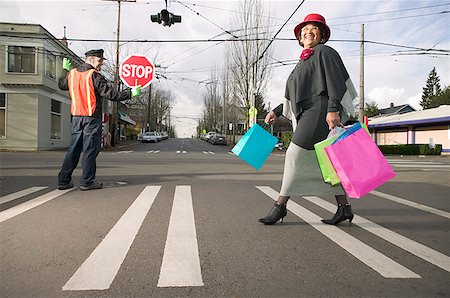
x=302, y=175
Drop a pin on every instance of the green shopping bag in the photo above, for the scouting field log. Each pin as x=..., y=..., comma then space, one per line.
x=326, y=167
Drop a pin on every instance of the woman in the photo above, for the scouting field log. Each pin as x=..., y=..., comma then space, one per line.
x=318, y=97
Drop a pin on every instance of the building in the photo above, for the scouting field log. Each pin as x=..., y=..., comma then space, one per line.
x=430, y=126
x=394, y=110
x=34, y=113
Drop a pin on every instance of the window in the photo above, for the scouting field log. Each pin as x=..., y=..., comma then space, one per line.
x=21, y=59
x=55, y=120
x=50, y=66
x=2, y=115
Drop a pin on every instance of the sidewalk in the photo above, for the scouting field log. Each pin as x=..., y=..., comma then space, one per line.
x=121, y=145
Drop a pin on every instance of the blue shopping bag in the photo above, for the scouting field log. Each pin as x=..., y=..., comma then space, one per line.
x=255, y=146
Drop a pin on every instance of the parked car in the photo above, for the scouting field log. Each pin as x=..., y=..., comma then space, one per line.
x=218, y=139
x=139, y=136
x=150, y=136
x=209, y=134
x=279, y=145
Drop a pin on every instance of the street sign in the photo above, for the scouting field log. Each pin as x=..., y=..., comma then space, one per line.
x=136, y=70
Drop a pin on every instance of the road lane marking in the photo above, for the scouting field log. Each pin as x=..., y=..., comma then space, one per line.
x=411, y=204
x=21, y=193
x=101, y=267
x=124, y=151
x=420, y=165
x=19, y=209
x=153, y=151
x=181, y=262
x=403, y=242
x=385, y=266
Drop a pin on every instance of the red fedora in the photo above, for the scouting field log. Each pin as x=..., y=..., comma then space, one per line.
x=319, y=20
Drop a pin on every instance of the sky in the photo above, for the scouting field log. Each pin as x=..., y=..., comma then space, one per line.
x=397, y=34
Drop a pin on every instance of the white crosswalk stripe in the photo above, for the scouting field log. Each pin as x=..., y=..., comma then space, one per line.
x=124, y=151
x=181, y=263
x=385, y=266
x=411, y=204
x=101, y=267
x=19, y=194
x=153, y=151
x=19, y=209
x=407, y=244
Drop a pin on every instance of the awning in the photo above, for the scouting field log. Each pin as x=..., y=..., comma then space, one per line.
x=124, y=117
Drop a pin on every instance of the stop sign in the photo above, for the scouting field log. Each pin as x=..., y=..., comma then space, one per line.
x=136, y=70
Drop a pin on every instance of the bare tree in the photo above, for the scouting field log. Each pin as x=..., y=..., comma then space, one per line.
x=249, y=70
x=212, y=113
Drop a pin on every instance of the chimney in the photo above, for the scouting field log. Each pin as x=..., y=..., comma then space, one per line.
x=392, y=104
x=64, y=39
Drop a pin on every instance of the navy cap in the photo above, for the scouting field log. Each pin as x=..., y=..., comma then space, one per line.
x=95, y=53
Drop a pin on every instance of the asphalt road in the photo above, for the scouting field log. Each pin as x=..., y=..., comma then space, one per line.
x=180, y=218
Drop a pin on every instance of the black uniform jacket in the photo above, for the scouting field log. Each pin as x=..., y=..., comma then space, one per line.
x=102, y=88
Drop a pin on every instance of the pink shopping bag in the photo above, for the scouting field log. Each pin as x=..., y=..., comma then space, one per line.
x=359, y=164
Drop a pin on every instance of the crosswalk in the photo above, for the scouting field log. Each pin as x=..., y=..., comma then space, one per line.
x=181, y=263
x=159, y=151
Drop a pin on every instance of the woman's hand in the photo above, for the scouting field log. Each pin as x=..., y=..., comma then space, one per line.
x=270, y=117
x=333, y=120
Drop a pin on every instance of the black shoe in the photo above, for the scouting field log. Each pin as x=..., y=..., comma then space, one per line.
x=343, y=213
x=65, y=186
x=278, y=212
x=95, y=185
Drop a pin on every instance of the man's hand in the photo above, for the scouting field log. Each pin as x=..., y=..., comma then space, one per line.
x=135, y=91
x=66, y=64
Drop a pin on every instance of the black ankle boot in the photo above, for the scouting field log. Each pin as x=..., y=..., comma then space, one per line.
x=343, y=213
x=278, y=212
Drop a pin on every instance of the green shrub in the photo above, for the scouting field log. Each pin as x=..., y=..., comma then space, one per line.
x=286, y=137
x=411, y=149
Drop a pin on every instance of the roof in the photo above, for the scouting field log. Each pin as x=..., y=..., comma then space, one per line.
x=396, y=109
x=440, y=114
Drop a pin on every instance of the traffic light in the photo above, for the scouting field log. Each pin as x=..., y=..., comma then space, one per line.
x=166, y=18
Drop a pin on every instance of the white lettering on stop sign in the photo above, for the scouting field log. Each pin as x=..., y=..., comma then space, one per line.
x=136, y=70
x=139, y=71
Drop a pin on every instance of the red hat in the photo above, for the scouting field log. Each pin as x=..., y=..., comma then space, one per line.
x=316, y=18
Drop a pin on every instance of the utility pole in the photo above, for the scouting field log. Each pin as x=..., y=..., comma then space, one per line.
x=149, y=107
x=361, y=78
x=113, y=122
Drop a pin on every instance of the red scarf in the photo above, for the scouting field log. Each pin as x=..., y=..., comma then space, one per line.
x=306, y=53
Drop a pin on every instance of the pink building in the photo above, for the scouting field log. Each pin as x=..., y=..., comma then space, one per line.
x=431, y=126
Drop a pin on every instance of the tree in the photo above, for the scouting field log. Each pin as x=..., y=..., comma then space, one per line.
x=249, y=73
x=212, y=106
x=371, y=109
x=442, y=98
x=431, y=89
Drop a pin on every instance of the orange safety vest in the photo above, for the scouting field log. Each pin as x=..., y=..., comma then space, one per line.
x=82, y=93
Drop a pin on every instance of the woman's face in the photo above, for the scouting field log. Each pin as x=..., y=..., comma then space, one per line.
x=310, y=35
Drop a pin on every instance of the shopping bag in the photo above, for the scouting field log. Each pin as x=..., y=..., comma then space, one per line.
x=255, y=146
x=351, y=129
x=359, y=164
x=328, y=173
